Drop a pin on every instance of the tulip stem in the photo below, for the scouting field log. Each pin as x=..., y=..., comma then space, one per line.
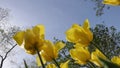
x=40, y=58
x=56, y=63
x=91, y=65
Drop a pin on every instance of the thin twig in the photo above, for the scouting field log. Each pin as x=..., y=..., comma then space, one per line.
x=3, y=58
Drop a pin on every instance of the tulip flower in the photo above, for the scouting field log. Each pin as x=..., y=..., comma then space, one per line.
x=62, y=65
x=112, y=2
x=80, y=55
x=50, y=51
x=116, y=60
x=95, y=57
x=51, y=66
x=31, y=39
x=80, y=34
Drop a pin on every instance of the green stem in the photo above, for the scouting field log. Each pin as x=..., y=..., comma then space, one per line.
x=91, y=65
x=26, y=66
x=40, y=58
x=56, y=63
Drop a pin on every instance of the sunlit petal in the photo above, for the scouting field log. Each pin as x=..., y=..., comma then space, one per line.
x=116, y=60
x=64, y=65
x=81, y=55
x=112, y=2
x=51, y=66
x=48, y=50
x=39, y=31
x=19, y=37
x=95, y=57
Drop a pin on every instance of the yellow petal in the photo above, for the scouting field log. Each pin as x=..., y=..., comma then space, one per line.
x=116, y=60
x=57, y=47
x=86, y=27
x=39, y=31
x=81, y=55
x=77, y=45
x=95, y=59
x=64, y=65
x=31, y=51
x=48, y=50
x=51, y=66
x=112, y=2
x=19, y=37
x=30, y=37
x=46, y=57
x=76, y=35
x=86, y=24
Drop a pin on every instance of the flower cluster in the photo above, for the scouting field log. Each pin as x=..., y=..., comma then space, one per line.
x=82, y=36
x=33, y=41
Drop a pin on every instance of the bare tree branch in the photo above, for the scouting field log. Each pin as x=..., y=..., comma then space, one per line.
x=3, y=58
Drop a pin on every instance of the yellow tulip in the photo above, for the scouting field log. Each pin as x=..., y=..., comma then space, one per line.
x=116, y=60
x=112, y=2
x=95, y=57
x=81, y=55
x=51, y=66
x=62, y=65
x=80, y=34
x=31, y=38
x=50, y=50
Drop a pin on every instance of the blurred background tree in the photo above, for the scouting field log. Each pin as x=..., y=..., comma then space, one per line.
x=99, y=7
x=6, y=33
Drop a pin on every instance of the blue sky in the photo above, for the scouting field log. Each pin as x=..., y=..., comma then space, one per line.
x=57, y=15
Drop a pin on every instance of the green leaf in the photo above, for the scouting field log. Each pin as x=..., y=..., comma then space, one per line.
x=108, y=64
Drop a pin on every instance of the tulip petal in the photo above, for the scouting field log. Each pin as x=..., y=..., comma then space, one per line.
x=19, y=37
x=116, y=60
x=86, y=24
x=48, y=50
x=112, y=2
x=51, y=66
x=95, y=59
x=39, y=30
x=64, y=65
x=81, y=55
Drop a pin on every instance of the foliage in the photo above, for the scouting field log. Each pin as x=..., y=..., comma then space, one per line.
x=107, y=39
x=100, y=7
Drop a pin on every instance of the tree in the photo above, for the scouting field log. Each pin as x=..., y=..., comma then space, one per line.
x=99, y=7
x=6, y=33
x=107, y=39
